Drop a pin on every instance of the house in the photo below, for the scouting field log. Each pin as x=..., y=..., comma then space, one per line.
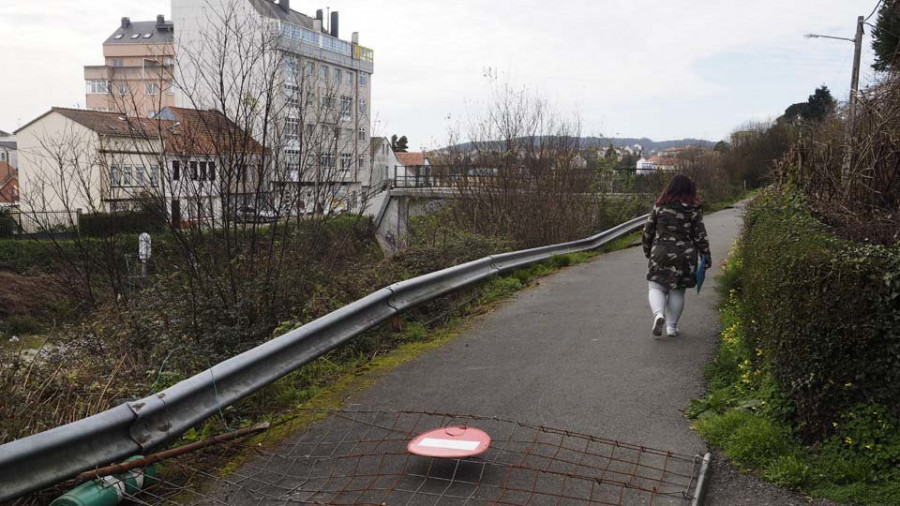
x=137, y=75
x=385, y=164
x=196, y=165
x=9, y=185
x=8, y=149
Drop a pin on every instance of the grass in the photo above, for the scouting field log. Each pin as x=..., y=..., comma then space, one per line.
x=745, y=416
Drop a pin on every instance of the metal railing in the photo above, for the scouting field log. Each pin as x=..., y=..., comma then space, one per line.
x=55, y=455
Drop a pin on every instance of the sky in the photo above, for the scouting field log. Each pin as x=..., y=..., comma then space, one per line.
x=663, y=69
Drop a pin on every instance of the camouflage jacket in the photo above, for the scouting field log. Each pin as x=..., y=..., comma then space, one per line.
x=673, y=236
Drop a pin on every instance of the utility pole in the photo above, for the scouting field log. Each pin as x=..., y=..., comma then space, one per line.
x=854, y=83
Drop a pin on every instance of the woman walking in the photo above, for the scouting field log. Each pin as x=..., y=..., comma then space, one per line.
x=674, y=237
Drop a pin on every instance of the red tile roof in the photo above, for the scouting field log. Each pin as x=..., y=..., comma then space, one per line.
x=411, y=159
x=190, y=132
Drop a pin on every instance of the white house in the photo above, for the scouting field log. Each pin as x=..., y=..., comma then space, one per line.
x=187, y=161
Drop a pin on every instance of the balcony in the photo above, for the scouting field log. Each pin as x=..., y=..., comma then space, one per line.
x=325, y=47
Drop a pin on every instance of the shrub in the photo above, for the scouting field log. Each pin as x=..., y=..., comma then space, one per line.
x=133, y=222
x=824, y=311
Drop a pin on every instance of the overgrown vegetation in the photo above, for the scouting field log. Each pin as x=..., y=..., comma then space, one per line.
x=801, y=390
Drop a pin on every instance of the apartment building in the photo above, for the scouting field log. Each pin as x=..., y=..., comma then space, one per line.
x=136, y=76
x=322, y=91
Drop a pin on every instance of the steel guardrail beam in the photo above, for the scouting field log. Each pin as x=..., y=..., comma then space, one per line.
x=57, y=454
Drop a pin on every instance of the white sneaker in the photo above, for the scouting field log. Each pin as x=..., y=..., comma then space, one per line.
x=658, y=322
x=671, y=331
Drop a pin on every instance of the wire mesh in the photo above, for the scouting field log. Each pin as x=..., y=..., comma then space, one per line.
x=361, y=457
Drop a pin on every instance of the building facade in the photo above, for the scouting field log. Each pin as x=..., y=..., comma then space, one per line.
x=190, y=163
x=136, y=76
x=320, y=92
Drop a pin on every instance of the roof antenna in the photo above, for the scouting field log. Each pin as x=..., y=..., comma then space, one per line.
x=328, y=18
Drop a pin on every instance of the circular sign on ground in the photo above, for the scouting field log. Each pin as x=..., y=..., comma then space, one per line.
x=453, y=442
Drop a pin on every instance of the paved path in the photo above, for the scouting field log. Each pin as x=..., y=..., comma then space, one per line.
x=576, y=352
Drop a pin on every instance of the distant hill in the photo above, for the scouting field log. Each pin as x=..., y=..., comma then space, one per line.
x=649, y=145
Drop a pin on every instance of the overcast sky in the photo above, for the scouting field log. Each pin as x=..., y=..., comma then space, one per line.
x=663, y=69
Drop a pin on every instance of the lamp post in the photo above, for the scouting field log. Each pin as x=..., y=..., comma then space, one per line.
x=854, y=90
x=857, y=41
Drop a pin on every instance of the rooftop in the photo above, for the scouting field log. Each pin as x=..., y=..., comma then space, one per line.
x=143, y=32
x=184, y=130
x=411, y=159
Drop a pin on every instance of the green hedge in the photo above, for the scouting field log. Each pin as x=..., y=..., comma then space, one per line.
x=132, y=222
x=822, y=313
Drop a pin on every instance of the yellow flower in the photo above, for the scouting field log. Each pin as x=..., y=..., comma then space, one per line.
x=848, y=440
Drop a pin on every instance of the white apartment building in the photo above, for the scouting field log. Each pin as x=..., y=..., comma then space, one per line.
x=322, y=91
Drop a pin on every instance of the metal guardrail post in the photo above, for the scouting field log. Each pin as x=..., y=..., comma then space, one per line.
x=49, y=457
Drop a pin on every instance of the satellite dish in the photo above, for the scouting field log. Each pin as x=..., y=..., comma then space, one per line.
x=144, y=247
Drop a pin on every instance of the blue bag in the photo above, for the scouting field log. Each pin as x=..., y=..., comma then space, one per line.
x=701, y=271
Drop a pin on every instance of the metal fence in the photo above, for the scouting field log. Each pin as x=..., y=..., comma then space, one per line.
x=135, y=427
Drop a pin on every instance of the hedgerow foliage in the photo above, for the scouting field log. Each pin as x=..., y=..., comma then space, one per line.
x=825, y=312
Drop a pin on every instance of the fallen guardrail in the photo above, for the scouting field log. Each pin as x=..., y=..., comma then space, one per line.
x=58, y=454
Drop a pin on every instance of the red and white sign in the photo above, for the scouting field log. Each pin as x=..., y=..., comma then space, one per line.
x=450, y=443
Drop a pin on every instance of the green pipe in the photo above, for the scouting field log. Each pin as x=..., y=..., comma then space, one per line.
x=109, y=490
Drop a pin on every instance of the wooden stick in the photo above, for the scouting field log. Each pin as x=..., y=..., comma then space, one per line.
x=174, y=452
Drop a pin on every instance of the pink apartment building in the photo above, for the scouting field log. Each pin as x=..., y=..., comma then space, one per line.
x=136, y=76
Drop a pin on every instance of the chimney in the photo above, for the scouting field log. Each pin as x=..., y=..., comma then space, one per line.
x=160, y=21
x=320, y=15
x=126, y=22
x=317, y=25
x=355, y=38
x=334, y=24
x=285, y=5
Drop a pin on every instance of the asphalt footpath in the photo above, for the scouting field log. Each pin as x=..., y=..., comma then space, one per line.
x=576, y=352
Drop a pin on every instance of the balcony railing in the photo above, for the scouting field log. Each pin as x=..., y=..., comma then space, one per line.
x=300, y=35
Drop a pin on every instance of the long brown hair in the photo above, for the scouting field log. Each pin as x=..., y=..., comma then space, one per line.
x=680, y=189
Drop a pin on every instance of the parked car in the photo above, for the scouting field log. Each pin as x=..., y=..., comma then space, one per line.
x=248, y=214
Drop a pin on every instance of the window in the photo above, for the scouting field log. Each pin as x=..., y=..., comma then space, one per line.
x=117, y=62
x=97, y=87
x=135, y=36
x=310, y=129
x=326, y=100
x=170, y=89
x=362, y=106
x=346, y=107
x=310, y=98
x=326, y=160
x=362, y=133
x=115, y=176
x=211, y=171
x=139, y=175
x=194, y=171
x=291, y=68
x=126, y=175
x=176, y=170
x=154, y=176
x=292, y=161
x=346, y=161
x=350, y=77
x=323, y=73
x=338, y=76
x=118, y=36
x=292, y=128
x=202, y=171
x=152, y=89
x=148, y=35
x=310, y=68
x=363, y=79
x=122, y=88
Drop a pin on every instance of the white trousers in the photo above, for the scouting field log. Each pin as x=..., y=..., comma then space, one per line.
x=667, y=301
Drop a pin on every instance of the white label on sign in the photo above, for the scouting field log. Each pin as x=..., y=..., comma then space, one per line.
x=449, y=444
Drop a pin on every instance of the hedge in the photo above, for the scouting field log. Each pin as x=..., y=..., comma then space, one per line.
x=823, y=313
x=132, y=222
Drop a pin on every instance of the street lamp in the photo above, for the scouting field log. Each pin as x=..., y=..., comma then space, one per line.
x=854, y=90
x=857, y=41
